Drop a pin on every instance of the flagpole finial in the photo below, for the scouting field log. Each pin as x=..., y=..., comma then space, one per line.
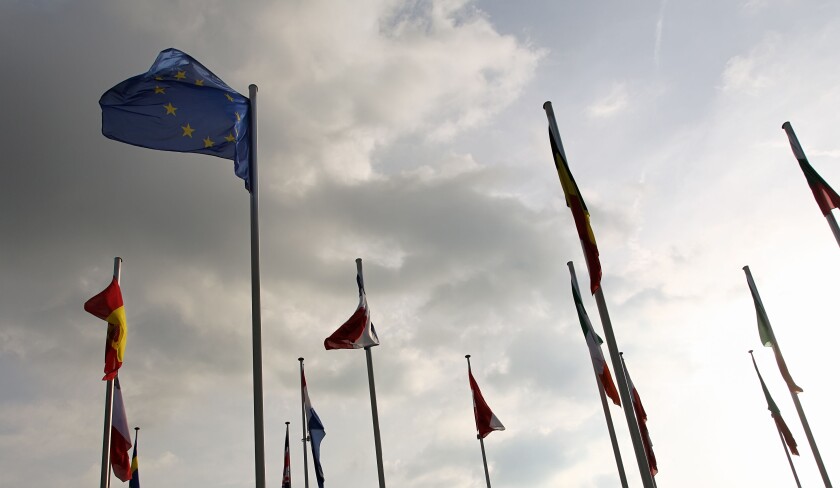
x=252, y=87
x=300, y=359
x=137, y=428
x=547, y=106
x=746, y=268
x=287, y=422
x=750, y=351
x=467, y=356
x=786, y=125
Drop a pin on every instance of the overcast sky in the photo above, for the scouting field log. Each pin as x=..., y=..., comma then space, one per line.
x=411, y=134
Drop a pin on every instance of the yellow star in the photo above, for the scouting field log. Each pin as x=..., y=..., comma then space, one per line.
x=181, y=75
x=238, y=117
x=208, y=142
x=199, y=82
x=160, y=90
x=170, y=109
x=159, y=78
x=230, y=137
x=229, y=97
x=187, y=130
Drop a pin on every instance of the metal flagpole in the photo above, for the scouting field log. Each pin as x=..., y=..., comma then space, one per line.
x=800, y=156
x=795, y=396
x=623, y=390
x=303, y=423
x=256, y=324
x=605, y=405
x=376, y=438
x=105, y=479
x=480, y=440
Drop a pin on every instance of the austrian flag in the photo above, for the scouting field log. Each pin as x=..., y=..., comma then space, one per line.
x=108, y=306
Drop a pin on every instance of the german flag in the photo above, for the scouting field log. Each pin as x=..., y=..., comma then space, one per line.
x=108, y=306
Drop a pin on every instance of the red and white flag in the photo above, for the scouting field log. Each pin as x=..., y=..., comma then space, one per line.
x=358, y=331
x=120, y=437
x=485, y=420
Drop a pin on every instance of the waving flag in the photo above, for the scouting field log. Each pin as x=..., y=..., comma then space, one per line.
x=827, y=198
x=287, y=463
x=593, y=342
x=108, y=306
x=120, y=437
x=485, y=420
x=135, y=466
x=765, y=333
x=776, y=413
x=358, y=332
x=574, y=200
x=179, y=105
x=316, y=433
x=641, y=419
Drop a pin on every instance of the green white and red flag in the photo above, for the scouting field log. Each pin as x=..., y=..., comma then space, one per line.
x=827, y=198
x=776, y=413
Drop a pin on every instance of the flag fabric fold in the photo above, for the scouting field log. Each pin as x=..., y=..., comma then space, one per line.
x=765, y=333
x=287, y=463
x=485, y=420
x=574, y=200
x=827, y=198
x=135, y=466
x=120, y=437
x=593, y=342
x=358, y=331
x=316, y=433
x=179, y=105
x=776, y=414
x=108, y=306
x=641, y=420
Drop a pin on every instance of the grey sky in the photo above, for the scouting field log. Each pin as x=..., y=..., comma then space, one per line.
x=411, y=134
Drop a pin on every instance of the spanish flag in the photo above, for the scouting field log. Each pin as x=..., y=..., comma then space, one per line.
x=575, y=202
x=108, y=306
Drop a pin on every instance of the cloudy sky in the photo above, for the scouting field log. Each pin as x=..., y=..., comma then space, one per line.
x=411, y=134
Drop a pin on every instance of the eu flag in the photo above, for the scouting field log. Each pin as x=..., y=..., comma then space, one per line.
x=179, y=105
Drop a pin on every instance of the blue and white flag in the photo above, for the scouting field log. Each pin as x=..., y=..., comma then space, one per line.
x=316, y=433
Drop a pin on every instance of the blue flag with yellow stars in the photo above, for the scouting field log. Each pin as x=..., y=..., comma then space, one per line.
x=179, y=105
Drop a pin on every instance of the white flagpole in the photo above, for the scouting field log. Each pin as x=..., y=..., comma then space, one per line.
x=256, y=324
x=623, y=389
x=605, y=405
x=795, y=396
x=303, y=423
x=800, y=155
x=480, y=440
x=105, y=479
x=374, y=411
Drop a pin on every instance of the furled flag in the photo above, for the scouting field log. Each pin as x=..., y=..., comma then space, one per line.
x=316, y=433
x=765, y=332
x=641, y=419
x=120, y=437
x=574, y=200
x=485, y=420
x=358, y=332
x=593, y=342
x=108, y=306
x=776, y=413
x=179, y=105
x=287, y=463
x=826, y=197
x=135, y=466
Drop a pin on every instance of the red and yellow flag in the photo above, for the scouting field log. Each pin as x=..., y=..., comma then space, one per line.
x=575, y=202
x=108, y=306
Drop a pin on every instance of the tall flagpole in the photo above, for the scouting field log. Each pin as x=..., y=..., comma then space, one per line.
x=800, y=156
x=778, y=430
x=374, y=411
x=105, y=479
x=605, y=405
x=623, y=389
x=256, y=324
x=795, y=396
x=303, y=423
x=480, y=439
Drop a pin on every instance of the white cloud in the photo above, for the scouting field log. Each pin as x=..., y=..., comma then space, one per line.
x=610, y=105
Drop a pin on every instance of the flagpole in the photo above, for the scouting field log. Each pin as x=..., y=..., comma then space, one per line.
x=256, y=324
x=778, y=430
x=303, y=423
x=623, y=390
x=480, y=440
x=105, y=479
x=795, y=396
x=799, y=153
x=374, y=412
